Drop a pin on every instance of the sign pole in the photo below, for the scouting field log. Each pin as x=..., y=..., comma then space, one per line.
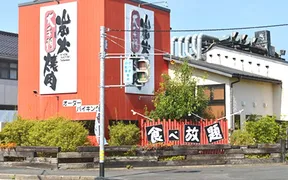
x=102, y=102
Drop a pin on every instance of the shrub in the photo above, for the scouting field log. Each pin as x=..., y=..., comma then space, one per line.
x=57, y=131
x=172, y=158
x=69, y=135
x=60, y=132
x=261, y=130
x=123, y=134
x=264, y=130
x=241, y=137
x=41, y=133
x=17, y=131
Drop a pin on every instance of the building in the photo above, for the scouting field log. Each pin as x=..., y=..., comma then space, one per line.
x=231, y=89
x=59, y=62
x=59, y=58
x=8, y=75
x=252, y=73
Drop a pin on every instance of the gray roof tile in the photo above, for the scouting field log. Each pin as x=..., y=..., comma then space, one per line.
x=8, y=44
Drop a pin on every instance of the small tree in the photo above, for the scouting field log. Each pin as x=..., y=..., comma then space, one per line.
x=178, y=97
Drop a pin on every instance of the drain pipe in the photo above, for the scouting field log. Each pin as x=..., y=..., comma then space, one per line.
x=200, y=38
x=187, y=42
x=180, y=46
x=172, y=50
x=194, y=46
x=232, y=100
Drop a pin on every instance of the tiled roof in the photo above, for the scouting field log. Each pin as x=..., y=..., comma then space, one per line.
x=8, y=45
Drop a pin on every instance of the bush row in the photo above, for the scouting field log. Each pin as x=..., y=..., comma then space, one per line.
x=69, y=134
x=263, y=130
x=57, y=131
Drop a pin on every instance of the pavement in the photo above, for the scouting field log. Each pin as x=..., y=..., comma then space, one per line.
x=231, y=172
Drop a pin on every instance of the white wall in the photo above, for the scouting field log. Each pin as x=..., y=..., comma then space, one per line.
x=254, y=97
x=277, y=100
x=276, y=69
x=8, y=92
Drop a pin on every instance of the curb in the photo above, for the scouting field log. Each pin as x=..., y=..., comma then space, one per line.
x=43, y=177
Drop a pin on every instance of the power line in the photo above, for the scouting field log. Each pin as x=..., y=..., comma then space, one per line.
x=159, y=50
x=115, y=43
x=204, y=30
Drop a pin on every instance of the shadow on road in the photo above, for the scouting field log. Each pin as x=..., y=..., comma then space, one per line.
x=187, y=172
x=155, y=172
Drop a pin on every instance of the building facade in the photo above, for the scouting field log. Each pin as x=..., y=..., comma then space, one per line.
x=59, y=67
x=59, y=63
x=259, y=65
x=8, y=75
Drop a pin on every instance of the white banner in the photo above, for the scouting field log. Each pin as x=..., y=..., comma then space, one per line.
x=87, y=108
x=140, y=42
x=97, y=128
x=58, y=48
x=72, y=103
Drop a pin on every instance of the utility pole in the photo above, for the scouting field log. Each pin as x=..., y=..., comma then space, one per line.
x=104, y=56
x=102, y=101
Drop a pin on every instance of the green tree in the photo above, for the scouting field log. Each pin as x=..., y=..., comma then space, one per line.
x=178, y=97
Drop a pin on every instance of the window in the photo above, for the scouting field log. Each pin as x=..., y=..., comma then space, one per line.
x=8, y=107
x=216, y=97
x=237, y=121
x=8, y=70
x=89, y=125
x=215, y=93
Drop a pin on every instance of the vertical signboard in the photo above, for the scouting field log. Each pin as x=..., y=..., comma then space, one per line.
x=128, y=71
x=140, y=42
x=58, y=48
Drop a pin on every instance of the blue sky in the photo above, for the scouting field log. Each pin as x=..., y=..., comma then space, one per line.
x=200, y=14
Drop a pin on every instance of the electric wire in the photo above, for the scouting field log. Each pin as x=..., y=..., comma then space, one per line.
x=116, y=43
x=205, y=30
x=159, y=50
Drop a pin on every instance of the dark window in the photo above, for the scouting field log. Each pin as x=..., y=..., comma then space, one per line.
x=237, y=122
x=216, y=101
x=89, y=125
x=8, y=107
x=215, y=93
x=8, y=70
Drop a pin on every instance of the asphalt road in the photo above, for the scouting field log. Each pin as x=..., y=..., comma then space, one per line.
x=247, y=172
